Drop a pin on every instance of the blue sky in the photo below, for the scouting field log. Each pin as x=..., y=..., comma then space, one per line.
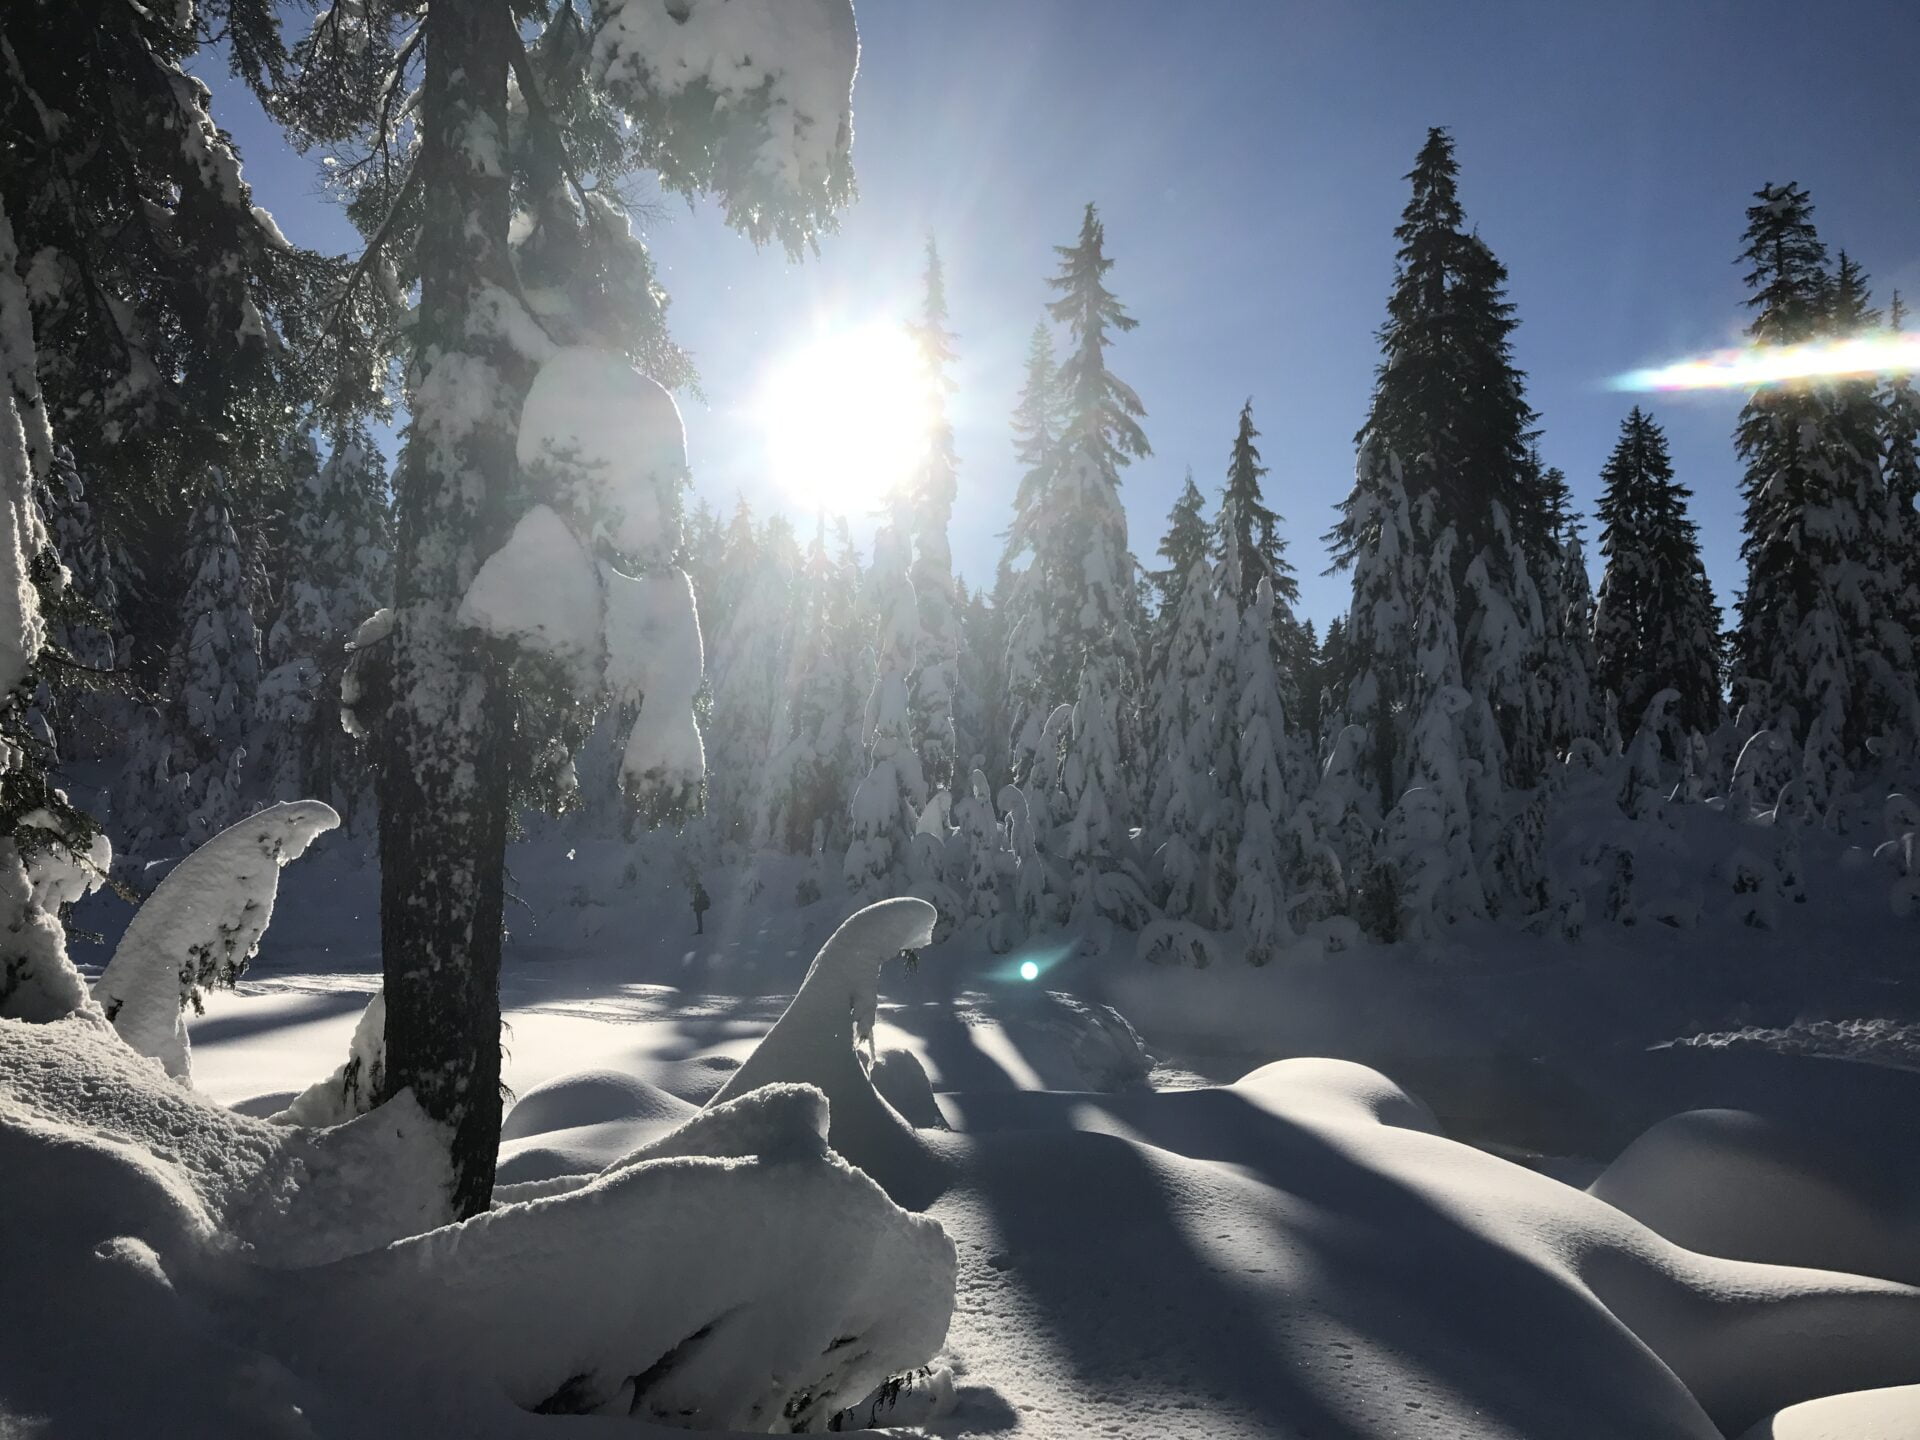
x=1247, y=160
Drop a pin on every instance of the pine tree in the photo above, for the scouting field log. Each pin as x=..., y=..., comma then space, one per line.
x=89, y=650
x=1655, y=626
x=1022, y=590
x=1448, y=435
x=1185, y=722
x=1082, y=553
x=1260, y=902
x=749, y=669
x=336, y=570
x=1818, y=652
x=183, y=779
x=937, y=679
x=1566, y=598
x=1900, y=448
x=887, y=804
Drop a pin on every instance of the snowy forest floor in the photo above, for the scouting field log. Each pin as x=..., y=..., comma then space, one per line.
x=1130, y=1234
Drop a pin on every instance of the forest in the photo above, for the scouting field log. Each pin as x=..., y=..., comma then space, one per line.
x=496, y=924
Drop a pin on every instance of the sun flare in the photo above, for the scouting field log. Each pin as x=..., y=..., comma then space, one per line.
x=1777, y=364
x=845, y=417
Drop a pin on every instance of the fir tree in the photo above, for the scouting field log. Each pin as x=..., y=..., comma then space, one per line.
x=1900, y=449
x=1818, y=650
x=1021, y=592
x=183, y=780
x=1260, y=903
x=887, y=804
x=1185, y=721
x=937, y=679
x=1655, y=626
x=1448, y=436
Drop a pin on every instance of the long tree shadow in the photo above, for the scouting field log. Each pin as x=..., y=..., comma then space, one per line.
x=293, y=1008
x=1372, y=1277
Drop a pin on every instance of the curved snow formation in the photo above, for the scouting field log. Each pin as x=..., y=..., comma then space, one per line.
x=201, y=926
x=825, y=1039
x=354, y=1088
x=1728, y=1182
x=244, y=1278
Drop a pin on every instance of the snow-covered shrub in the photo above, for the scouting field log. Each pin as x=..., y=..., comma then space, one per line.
x=201, y=927
x=355, y=1087
x=825, y=1039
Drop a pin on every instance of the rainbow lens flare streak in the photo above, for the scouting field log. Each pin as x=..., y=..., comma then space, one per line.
x=1776, y=364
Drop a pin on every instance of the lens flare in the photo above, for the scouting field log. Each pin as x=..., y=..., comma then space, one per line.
x=1776, y=364
x=1029, y=970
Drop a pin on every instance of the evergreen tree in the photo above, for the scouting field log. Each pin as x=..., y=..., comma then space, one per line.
x=1021, y=592
x=887, y=804
x=937, y=679
x=336, y=570
x=1900, y=448
x=1188, y=539
x=183, y=779
x=1655, y=625
x=1448, y=436
x=1260, y=902
x=1076, y=601
x=749, y=669
x=1185, y=721
x=89, y=650
x=1818, y=650
x=1566, y=598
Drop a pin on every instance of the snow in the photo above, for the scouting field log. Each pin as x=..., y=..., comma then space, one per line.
x=201, y=927
x=792, y=60
x=540, y=590
x=290, y=1281
x=825, y=1038
x=1732, y=1183
x=1892, y=1413
x=609, y=444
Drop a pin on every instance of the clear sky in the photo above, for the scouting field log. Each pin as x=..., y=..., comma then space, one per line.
x=1247, y=159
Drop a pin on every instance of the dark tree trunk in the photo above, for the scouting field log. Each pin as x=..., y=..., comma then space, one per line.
x=443, y=779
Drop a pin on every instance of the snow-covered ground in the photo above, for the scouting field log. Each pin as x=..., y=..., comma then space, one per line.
x=1155, y=1232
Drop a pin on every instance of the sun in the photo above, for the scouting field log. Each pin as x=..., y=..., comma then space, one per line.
x=845, y=417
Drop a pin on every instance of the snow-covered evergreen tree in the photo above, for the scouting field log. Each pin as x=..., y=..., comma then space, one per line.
x=183, y=779
x=1261, y=910
x=749, y=671
x=936, y=680
x=887, y=803
x=1022, y=591
x=336, y=571
x=1819, y=650
x=1075, y=603
x=1655, y=624
x=1187, y=723
x=1566, y=599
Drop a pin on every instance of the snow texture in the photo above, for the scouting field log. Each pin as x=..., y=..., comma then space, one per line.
x=201, y=927
x=353, y=1088
x=609, y=444
x=540, y=590
x=792, y=59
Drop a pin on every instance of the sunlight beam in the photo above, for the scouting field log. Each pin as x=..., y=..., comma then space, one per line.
x=845, y=418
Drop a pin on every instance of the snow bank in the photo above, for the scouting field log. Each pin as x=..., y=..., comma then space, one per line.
x=241, y=1278
x=1887, y=1414
x=825, y=1038
x=573, y=1124
x=1727, y=1182
x=743, y=1279
x=201, y=926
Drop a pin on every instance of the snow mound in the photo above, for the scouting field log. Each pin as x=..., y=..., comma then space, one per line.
x=201, y=926
x=1335, y=1091
x=1732, y=1183
x=745, y=1279
x=1892, y=1413
x=247, y=1278
x=591, y=1097
x=825, y=1039
x=38, y=981
x=574, y=1124
x=540, y=590
x=277, y=1195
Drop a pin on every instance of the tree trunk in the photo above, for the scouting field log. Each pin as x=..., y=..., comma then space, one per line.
x=443, y=779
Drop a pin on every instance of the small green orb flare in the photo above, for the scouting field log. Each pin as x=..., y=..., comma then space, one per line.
x=1029, y=970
